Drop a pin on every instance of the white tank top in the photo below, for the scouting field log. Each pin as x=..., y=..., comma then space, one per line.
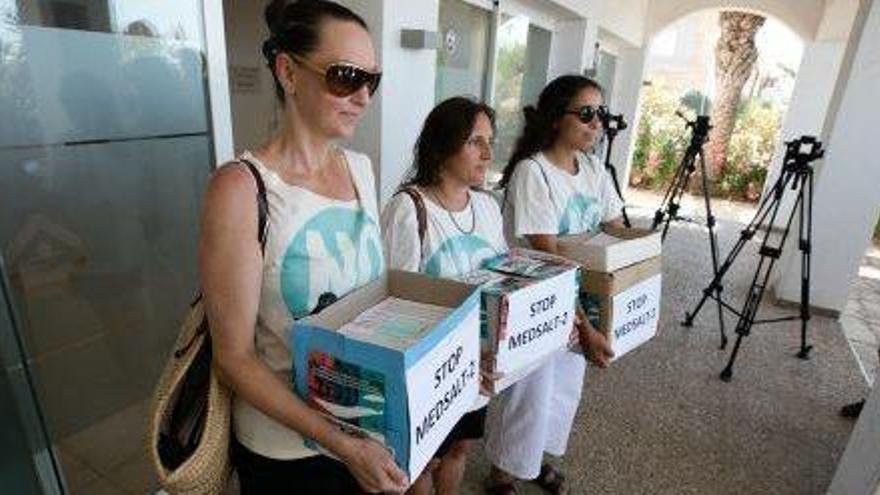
x=317, y=250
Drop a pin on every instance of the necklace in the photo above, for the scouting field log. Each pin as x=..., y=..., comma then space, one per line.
x=452, y=217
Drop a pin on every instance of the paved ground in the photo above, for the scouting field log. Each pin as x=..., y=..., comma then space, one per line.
x=661, y=421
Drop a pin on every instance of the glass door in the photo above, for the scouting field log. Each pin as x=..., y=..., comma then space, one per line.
x=27, y=463
x=104, y=152
x=463, y=54
x=522, y=60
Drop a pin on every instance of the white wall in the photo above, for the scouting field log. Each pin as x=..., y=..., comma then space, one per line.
x=627, y=100
x=390, y=128
x=253, y=113
x=571, y=48
x=408, y=89
x=847, y=199
x=626, y=19
x=367, y=139
x=817, y=77
x=802, y=16
x=810, y=99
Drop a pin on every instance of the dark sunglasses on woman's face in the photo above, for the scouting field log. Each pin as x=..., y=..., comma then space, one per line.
x=587, y=113
x=343, y=78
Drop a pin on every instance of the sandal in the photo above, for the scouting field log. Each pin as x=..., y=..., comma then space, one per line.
x=500, y=488
x=551, y=480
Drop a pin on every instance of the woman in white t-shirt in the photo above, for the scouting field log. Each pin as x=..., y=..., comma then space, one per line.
x=321, y=241
x=552, y=188
x=441, y=224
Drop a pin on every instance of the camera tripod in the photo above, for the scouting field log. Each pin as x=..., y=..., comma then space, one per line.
x=797, y=174
x=612, y=125
x=668, y=210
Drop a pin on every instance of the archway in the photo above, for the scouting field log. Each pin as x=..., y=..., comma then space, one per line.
x=680, y=76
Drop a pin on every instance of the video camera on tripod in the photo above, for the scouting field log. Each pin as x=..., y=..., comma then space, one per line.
x=797, y=175
x=700, y=128
x=800, y=153
x=612, y=124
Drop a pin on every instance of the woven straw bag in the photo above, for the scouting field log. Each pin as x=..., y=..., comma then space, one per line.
x=189, y=389
x=191, y=413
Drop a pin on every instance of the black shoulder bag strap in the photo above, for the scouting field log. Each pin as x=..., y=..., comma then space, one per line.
x=262, y=204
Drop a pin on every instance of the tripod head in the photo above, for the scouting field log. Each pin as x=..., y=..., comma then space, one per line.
x=700, y=128
x=799, y=153
x=612, y=123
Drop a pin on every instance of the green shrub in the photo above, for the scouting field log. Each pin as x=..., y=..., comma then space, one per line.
x=662, y=139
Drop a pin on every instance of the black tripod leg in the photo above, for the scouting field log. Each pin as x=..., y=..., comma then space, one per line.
x=684, y=179
x=713, y=246
x=727, y=372
x=669, y=198
x=806, y=247
x=613, y=172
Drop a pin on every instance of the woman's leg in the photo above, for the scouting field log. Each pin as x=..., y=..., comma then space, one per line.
x=447, y=478
x=568, y=383
x=516, y=435
x=424, y=484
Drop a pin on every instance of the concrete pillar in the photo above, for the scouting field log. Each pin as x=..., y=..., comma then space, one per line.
x=572, y=48
x=627, y=99
x=818, y=75
x=859, y=470
x=847, y=196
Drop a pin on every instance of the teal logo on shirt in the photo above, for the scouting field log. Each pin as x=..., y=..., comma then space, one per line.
x=336, y=251
x=458, y=255
x=582, y=214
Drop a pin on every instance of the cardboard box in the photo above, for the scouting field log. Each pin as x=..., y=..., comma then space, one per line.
x=528, y=302
x=407, y=392
x=625, y=304
x=612, y=249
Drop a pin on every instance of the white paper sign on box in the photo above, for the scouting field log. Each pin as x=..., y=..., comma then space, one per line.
x=539, y=321
x=635, y=316
x=442, y=386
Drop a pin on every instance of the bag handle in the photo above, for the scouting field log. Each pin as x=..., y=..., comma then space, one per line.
x=262, y=204
x=421, y=212
x=262, y=226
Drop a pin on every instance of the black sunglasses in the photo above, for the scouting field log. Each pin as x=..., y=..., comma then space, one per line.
x=587, y=113
x=344, y=78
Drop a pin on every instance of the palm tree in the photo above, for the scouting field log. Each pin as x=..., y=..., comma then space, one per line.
x=735, y=57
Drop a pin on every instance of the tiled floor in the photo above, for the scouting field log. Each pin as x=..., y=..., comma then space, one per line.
x=109, y=457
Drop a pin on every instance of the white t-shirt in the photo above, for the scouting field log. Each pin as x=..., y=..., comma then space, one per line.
x=446, y=251
x=544, y=199
x=317, y=250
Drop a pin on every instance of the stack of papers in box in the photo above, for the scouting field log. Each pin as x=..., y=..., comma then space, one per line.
x=611, y=250
x=395, y=323
x=531, y=264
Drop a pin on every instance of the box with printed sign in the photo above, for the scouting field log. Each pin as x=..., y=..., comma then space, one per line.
x=528, y=302
x=396, y=360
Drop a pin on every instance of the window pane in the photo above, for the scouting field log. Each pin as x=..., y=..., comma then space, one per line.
x=523, y=56
x=462, y=55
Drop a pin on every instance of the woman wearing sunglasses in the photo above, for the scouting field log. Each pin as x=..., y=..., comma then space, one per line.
x=322, y=240
x=553, y=188
x=441, y=224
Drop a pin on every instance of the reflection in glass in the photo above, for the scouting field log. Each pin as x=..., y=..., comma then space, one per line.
x=462, y=57
x=104, y=151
